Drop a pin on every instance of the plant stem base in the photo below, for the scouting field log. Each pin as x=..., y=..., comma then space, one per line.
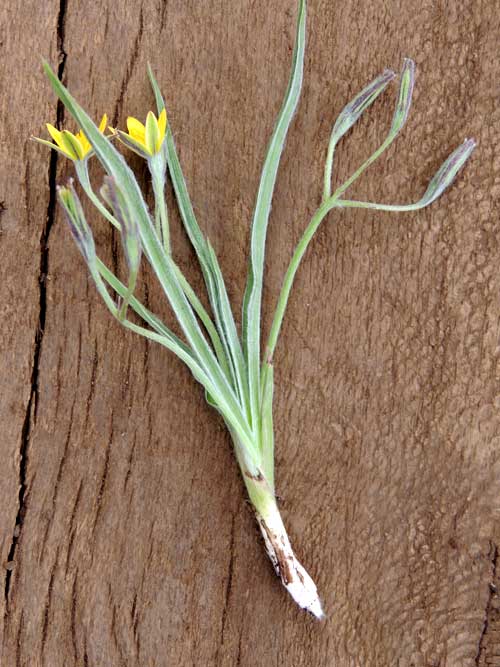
x=293, y=576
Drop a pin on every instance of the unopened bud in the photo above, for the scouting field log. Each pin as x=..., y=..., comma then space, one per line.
x=406, y=82
x=75, y=216
x=445, y=175
x=350, y=114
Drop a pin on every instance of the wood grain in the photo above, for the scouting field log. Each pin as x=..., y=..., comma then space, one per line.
x=125, y=537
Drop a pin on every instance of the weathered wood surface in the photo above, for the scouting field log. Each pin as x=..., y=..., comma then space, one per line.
x=124, y=532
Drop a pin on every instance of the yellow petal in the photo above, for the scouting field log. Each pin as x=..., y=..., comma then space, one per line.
x=54, y=133
x=82, y=137
x=136, y=130
x=152, y=133
x=71, y=144
x=84, y=142
x=103, y=123
x=162, y=123
x=59, y=139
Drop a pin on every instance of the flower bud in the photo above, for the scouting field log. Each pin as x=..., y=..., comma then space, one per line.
x=350, y=114
x=445, y=175
x=78, y=225
x=406, y=82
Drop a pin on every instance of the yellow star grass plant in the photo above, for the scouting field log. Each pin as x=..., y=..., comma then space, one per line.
x=227, y=361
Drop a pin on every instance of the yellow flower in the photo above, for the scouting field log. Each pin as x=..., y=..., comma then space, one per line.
x=73, y=146
x=146, y=140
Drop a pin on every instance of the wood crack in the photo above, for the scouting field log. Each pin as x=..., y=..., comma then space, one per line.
x=46, y=613
x=492, y=590
x=74, y=594
x=32, y=405
x=93, y=375
x=73, y=527
x=134, y=614
x=130, y=462
x=104, y=477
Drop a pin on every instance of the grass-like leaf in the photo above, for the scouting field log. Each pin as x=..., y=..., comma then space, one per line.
x=253, y=294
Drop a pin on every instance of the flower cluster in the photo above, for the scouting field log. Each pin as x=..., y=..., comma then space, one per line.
x=144, y=139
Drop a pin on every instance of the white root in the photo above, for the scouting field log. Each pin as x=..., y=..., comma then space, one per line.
x=293, y=576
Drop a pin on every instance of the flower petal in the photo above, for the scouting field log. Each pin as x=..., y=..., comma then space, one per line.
x=136, y=130
x=72, y=145
x=50, y=144
x=137, y=146
x=162, y=123
x=103, y=123
x=84, y=142
x=152, y=132
x=54, y=133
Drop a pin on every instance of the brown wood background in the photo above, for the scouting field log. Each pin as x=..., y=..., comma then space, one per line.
x=124, y=533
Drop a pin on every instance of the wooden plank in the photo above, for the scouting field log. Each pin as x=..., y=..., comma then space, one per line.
x=388, y=376
x=26, y=217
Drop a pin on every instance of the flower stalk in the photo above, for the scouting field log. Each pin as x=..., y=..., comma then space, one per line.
x=238, y=381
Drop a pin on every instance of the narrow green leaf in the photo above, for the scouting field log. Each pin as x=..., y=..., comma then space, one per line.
x=227, y=325
x=184, y=202
x=253, y=293
x=206, y=321
x=212, y=274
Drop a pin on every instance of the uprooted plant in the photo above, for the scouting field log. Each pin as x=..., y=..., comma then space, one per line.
x=236, y=376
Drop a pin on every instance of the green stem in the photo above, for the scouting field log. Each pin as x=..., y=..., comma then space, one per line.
x=267, y=430
x=161, y=214
x=385, y=144
x=259, y=488
x=126, y=300
x=301, y=248
x=327, y=178
x=346, y=203
x=201, y=373
x=326, y=206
